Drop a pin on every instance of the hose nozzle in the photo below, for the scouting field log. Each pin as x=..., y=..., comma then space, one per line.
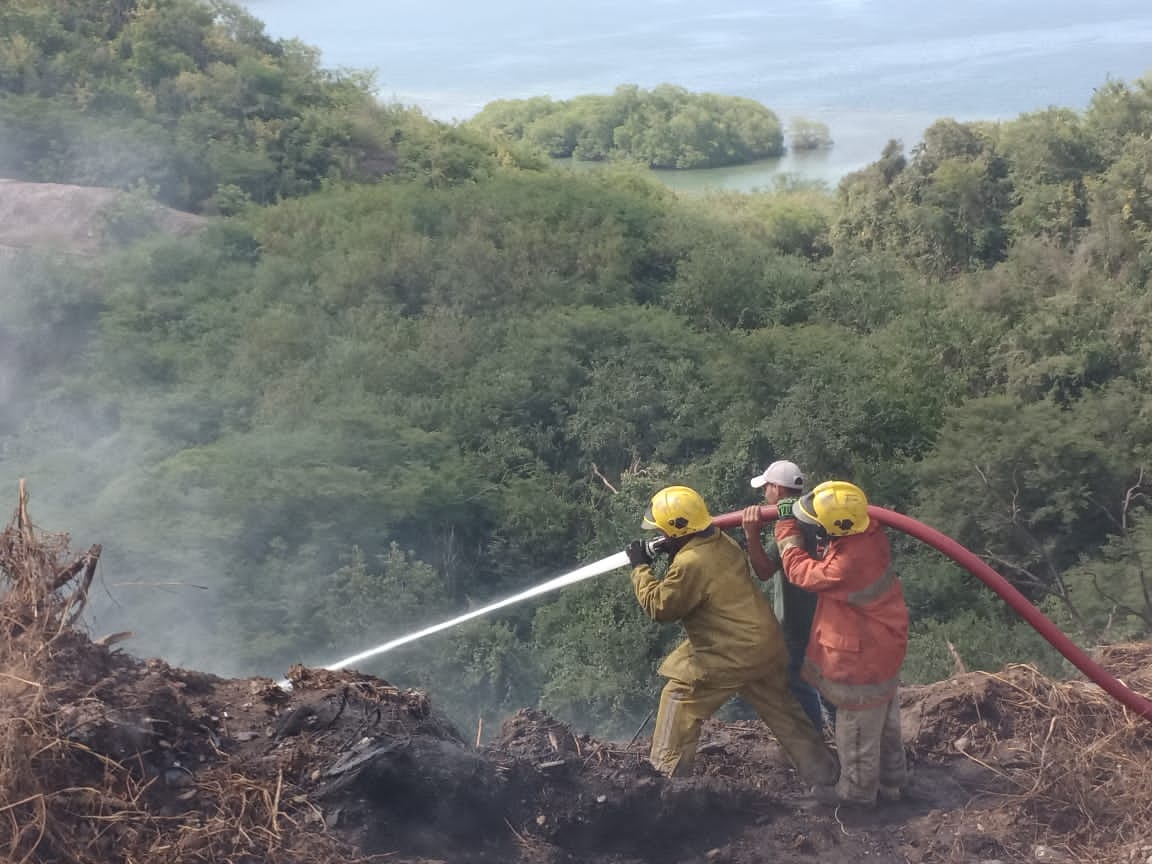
x=655, y=546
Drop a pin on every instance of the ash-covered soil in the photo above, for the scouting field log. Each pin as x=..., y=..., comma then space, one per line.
x=374, y=769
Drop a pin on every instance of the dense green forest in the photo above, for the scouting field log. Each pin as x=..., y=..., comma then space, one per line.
x=190, y=100
x=666, y=127
x=408, y=369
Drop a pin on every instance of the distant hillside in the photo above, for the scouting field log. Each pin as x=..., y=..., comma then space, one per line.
x=80, y=220
x=191, y=100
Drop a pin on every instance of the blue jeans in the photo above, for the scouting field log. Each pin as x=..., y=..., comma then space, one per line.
x=807, y=695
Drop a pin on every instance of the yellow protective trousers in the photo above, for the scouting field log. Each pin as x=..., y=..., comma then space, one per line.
x=871, y=751
x=684, y=707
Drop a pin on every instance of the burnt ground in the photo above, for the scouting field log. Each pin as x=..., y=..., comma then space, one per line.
x=108, y=758
x=376, y=768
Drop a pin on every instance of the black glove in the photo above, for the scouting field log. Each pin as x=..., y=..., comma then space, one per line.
x=784, y=508
x=637, y=552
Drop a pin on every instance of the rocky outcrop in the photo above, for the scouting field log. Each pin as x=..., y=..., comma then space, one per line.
x=79, y=220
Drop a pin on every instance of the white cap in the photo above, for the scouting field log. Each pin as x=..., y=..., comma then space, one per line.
x=782, y=473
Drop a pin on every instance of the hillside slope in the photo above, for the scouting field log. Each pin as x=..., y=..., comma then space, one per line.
x=106, y=757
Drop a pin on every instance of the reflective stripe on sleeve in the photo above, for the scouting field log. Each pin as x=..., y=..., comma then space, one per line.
x=874, y=591
x=789, y=542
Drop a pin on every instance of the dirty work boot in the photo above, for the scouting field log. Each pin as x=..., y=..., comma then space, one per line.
x=825, y=795
x=899, y=785
x=890, y=794
x=829, y=796
x=833, y=797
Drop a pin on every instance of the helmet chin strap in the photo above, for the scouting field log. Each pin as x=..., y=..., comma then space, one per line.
x=675, y=544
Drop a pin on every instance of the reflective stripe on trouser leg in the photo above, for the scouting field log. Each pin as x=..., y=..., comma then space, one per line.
x=683, y=709
x=893, y=765
x=858, y=737
x=782, y=714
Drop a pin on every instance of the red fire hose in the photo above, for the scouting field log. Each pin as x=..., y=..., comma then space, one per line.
x=1019, y=603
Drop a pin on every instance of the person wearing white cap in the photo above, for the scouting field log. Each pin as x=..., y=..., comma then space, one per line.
x=783, y=482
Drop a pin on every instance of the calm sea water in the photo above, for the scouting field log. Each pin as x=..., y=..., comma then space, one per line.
x=870, y=69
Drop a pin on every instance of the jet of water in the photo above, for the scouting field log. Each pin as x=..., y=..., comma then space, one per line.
x=612, y=562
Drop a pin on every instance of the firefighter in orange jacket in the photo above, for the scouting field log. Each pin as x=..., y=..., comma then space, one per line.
x=734, y=645
x=859, y=637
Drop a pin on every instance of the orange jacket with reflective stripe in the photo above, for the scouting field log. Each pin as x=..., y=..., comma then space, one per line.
x=860, y=630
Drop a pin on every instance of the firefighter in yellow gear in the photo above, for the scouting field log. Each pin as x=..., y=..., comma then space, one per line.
x=734, y=647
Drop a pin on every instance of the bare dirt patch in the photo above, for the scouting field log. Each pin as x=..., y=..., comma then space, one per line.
x=71, y=219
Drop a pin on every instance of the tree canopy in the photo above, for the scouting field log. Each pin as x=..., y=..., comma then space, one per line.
x=193, y=101
x=665, y=127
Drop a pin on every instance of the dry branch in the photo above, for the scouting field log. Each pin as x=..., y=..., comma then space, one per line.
x=1089, y=758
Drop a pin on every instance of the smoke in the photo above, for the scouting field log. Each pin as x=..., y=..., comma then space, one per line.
x=159, y=581
x=85, y=445
x=63, y=431
x=13, y=367
x=169, y=598
x=8, y=360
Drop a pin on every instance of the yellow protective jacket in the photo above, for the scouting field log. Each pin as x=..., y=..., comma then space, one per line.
x=733, y=634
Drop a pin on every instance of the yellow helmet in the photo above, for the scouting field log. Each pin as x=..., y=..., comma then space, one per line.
x=839, y=507
x=677, y=511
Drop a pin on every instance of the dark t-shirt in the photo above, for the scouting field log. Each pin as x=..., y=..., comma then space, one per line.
x=795, y=607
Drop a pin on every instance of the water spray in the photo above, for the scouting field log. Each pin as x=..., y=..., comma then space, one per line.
x=942, y=543
x=596, y=568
